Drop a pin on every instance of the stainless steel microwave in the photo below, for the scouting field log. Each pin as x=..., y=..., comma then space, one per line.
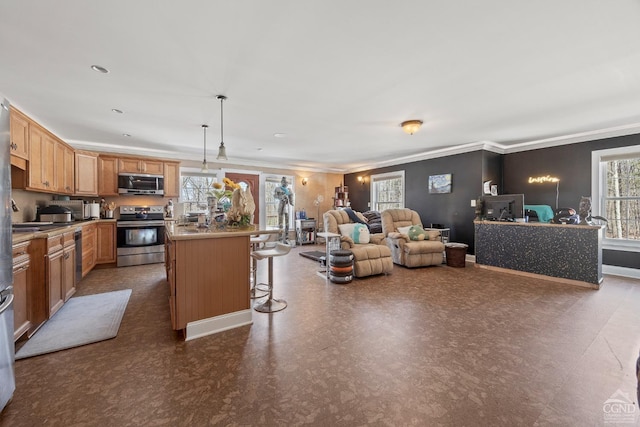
x=130, y=183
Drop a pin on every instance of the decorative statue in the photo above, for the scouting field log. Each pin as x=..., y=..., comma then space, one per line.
x=242, y=207
x=479, y=206
x=584, y=210
x=285, y=196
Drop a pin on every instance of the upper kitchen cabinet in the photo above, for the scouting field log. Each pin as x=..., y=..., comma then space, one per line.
x=42, y=147
x=19, y=145
x=171, y=179
x=64, y=167
x=107, y=175
x=133, y=165
x=86, y=176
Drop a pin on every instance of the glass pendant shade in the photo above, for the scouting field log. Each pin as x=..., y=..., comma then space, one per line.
x=205, y=166
x=222, y=152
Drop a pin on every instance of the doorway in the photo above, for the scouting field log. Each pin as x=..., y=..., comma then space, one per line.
x=253, y=182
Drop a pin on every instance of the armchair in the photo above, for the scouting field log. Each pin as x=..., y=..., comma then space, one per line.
x=407, y=252
x=369, y=258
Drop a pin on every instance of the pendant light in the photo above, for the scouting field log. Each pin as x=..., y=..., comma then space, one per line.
x=205, y=166
x=222, y=151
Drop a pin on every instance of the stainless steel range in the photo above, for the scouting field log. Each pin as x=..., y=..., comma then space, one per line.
x=140, y=235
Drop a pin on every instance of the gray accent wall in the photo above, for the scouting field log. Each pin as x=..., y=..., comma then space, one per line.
x=571, y=163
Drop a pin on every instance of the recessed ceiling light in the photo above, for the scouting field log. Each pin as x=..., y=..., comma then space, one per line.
x=115, y=110
x=280, y=135
x=259, y=149
x=99, y=69
x=126, y=134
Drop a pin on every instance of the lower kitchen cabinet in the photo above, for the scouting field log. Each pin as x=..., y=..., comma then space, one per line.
x=60, y=274
x=21, y=291
x=88, y=248
x=105, y=242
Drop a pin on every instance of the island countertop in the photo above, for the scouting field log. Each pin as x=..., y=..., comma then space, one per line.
x=193, y=232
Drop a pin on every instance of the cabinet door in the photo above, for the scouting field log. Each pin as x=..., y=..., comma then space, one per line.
x=86, y=174
x=19, y=135
x=171, y=179
x=88, y=248
x=21, y=322
x=129, y=165
x=55, y=271
x=68, y=272
x=151, y=167
x=107, y=176
x=106, y=242
x=36, y=176
x=69, y=170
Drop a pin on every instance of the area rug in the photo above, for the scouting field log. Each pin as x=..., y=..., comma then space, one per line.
x=81, y=320
x=314, y=255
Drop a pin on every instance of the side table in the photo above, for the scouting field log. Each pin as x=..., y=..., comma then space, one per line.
x=332, y=242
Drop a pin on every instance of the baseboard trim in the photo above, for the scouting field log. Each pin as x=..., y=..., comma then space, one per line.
x=213, y=325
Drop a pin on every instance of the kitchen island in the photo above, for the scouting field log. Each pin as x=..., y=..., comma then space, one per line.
x=208, y=272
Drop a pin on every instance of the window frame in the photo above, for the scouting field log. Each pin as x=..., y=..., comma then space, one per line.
x=384, y=177
x=216, y=174
x=599, y=158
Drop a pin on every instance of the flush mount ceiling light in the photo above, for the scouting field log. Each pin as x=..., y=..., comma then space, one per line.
x=222, y=151
x=411, y=126
x=115, y=110
x=99, y=69
x=205, y=166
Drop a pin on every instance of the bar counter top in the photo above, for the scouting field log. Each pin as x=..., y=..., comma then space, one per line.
x=193, y=232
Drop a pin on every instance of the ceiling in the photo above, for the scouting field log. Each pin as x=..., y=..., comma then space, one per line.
x=335, y=77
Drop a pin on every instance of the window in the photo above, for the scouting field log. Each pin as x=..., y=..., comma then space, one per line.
x=387, y=191
x=616, y=195
x=194, y=189
x=271, y=203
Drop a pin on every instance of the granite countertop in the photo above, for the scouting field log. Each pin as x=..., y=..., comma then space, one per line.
x=537, y=224
x=193, y=232
x=52, y=230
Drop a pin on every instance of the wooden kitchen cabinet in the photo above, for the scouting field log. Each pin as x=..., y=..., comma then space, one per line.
x=107, y=175
x=171, y=179
x=42, y=146
x=137, y=165
x=86, y=173
x=106, y=242
x=88, y=248
x=21, y=290
x=19, y=145
x=64, y=162
x=60, y=272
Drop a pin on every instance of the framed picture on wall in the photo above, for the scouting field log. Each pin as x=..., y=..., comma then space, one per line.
x=440, y=184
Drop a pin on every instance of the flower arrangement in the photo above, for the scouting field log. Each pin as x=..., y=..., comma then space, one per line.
x=224, y=189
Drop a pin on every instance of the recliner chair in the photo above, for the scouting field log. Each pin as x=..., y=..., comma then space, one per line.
x=407, y=252
x=368, y=258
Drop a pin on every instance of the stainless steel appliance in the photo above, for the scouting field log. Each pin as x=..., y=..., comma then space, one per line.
x=79, y=210
x=140, y=235
x=54, y=213
x=7, y=348
x=140, y=184
x=77, y=236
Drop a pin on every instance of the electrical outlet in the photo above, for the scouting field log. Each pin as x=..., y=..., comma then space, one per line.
x=473, y=203
x=368, y=204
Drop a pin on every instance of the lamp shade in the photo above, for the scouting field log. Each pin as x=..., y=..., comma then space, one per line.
x=222, y=152
x=411, y=126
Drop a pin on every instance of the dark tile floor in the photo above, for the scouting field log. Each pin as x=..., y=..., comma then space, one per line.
x=432, y=346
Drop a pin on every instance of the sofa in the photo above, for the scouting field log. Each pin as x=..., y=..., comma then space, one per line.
x=421, y=252
x=369, y=258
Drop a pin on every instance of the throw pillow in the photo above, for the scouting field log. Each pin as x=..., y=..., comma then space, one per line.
x=404, y=230
x=416, y=233
x=346, y=229
x=360, y=234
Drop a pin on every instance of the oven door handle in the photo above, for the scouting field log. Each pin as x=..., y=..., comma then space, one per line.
x=138, y=224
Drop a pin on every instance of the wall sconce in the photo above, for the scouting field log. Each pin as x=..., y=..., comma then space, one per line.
x=411, y=126
x=545, y=179
x=304, y=181
x=362, y=180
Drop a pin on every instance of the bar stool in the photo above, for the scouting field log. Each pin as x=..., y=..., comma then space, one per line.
x=270, y=304
x=255, y=292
